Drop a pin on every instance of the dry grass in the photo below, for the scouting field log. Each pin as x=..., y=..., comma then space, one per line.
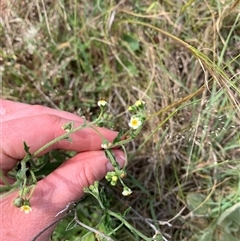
x=67, y=55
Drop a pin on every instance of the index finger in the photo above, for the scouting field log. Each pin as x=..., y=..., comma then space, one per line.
x=40, y=130
x=10, y=110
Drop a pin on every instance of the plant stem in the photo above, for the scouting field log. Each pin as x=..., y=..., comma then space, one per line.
x=128, y=225
x=66, y=135
x=60, y=138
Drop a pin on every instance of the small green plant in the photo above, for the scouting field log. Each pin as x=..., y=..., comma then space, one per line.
x=27, y=180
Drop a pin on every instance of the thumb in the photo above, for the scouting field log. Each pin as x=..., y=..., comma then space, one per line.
x=66, y=183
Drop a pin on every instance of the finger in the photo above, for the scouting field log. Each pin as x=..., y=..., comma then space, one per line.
x=8, y=106
x=40, y=130
x=66, y=183
x=10, y=110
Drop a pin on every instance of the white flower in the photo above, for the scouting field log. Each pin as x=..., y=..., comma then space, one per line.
x=126, y=191
x=135, y=122
x=102, y=103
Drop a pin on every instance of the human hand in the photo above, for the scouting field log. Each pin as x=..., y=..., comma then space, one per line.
x=37, y=125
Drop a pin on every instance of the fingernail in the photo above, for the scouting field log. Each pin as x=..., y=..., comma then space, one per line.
x=121, y=161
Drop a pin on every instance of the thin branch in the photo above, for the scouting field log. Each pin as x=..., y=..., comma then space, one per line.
x=89, y=228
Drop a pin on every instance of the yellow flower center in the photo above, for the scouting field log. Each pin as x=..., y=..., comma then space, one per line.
x=135, y=122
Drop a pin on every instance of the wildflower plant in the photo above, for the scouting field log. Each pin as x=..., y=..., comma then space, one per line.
x=26, y=169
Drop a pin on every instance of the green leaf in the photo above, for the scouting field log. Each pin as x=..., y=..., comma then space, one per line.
x=103, y=197
x=71, y=225
x=68, y=139
x=131, y=68
x=26, y=149
x=126, y=212
x=131, y=41
x=229, y=220
x=110, y=156
x=118, y=137
x=21, y=173
x=68, y=126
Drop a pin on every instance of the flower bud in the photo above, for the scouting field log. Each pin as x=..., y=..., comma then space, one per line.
x=18, y=202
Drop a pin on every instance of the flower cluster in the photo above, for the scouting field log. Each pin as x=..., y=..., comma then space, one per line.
x=114, y=176
x=139, y=115
x=137, y=107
